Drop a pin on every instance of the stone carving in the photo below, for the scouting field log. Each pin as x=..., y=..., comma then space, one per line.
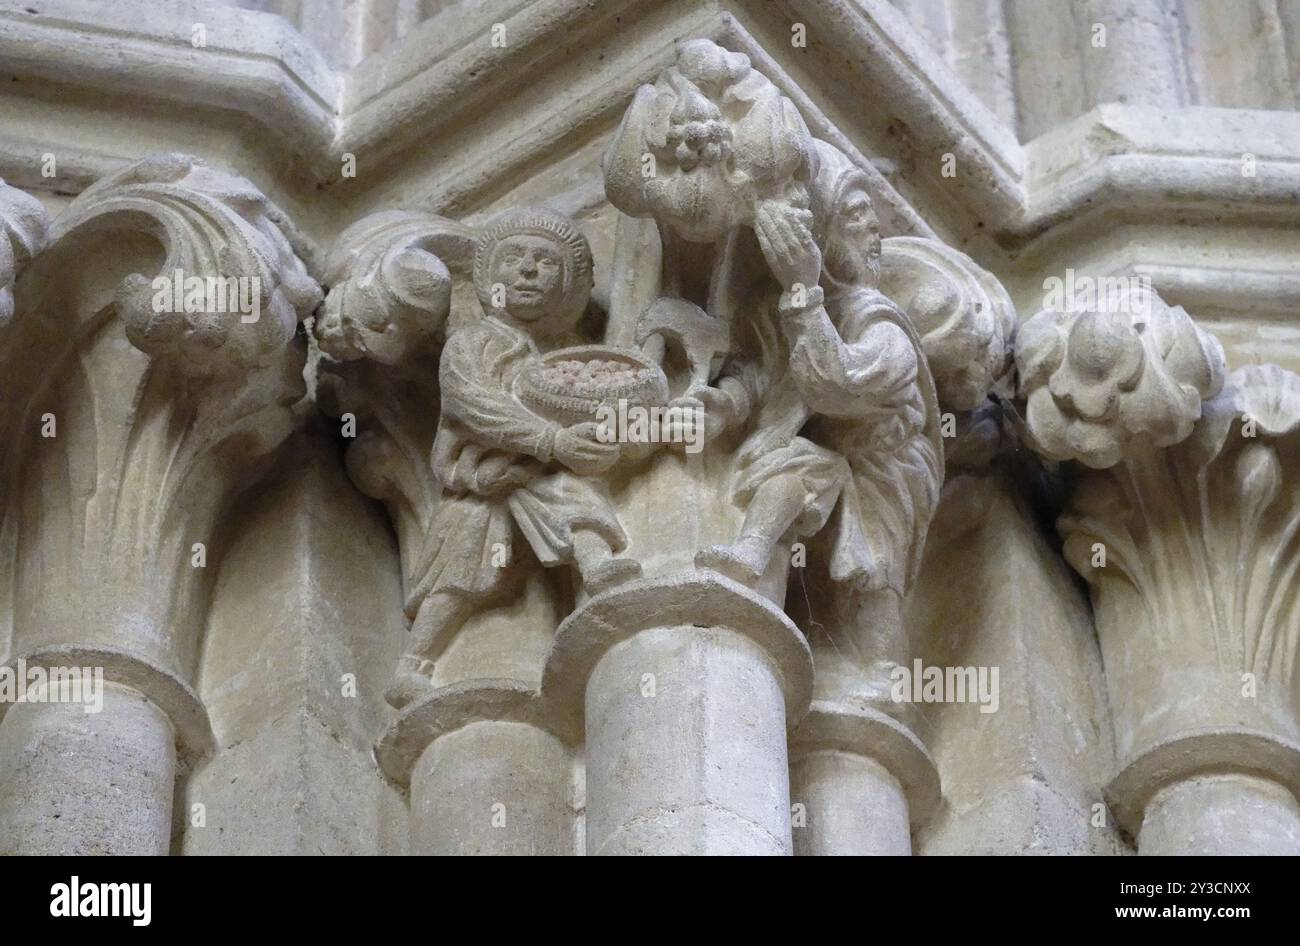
x=1183, y=527
x=856, y=374
x=203, y=217
x=390, y=287
x=1097, y=381
x=798, y=195
x=722, y=139
x=963, y=314
x=748, y=311
x=825, y=383
x=385, y=318
x=657, y=693
x=503, y=466
x=23, y=226
x=175, y=419
x=1225, y=485
x=164, y=310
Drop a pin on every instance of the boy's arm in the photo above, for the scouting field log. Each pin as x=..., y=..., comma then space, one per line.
x=479, y=403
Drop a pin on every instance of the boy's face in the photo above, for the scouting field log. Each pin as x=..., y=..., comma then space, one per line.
x=531, y=270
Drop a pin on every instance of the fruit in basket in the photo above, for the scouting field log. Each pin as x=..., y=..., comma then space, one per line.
x=571, y=385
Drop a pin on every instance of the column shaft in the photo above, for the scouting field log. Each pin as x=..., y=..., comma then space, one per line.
x=1225, y=814
x=493, y=787
x=852, y=805
x=686, y=746
x=73, y=782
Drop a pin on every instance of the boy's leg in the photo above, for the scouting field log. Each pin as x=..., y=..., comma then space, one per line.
x=772, y=511
x=596, y=562
x=440, y=616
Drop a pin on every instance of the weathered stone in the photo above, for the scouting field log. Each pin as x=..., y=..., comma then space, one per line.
x=587, y=428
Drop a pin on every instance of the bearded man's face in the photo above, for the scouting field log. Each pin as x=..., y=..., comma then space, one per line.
x=853, y=240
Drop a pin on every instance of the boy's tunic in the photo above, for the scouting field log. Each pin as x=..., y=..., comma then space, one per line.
x=491, y=455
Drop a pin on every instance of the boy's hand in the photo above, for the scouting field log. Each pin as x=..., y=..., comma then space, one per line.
x=579, y=448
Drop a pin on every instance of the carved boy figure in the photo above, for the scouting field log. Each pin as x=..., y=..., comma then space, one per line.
x=495, y=458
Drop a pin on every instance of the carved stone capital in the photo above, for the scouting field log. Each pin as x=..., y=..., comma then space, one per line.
x=763, y=392
x=1183, y=522
x=150, y=365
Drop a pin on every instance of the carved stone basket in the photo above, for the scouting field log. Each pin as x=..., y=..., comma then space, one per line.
x=570, y=385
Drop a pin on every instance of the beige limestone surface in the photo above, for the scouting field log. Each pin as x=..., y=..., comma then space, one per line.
x=650, y=427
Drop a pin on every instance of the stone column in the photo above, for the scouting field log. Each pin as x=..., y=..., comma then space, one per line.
x=50, y=807
x=1182, y=522
x=1221, y=815
x=861, y=778
x=687, y=685
x=134, y=731
x=488, y=772
x=137, y=420
x=866, y=781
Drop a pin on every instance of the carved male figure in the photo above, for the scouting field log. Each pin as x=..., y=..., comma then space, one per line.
x=503, y=467
x=857, y=389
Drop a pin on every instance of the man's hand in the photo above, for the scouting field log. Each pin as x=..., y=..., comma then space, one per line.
x=707, y=410
x=579, y=449
x=784, y=233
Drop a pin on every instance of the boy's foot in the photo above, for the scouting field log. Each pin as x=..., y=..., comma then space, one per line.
x=610, y=572
x=745, y=560
x=412, y=678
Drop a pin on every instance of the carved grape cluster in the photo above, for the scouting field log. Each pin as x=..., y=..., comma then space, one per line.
x=695, y=141
x=722, y=137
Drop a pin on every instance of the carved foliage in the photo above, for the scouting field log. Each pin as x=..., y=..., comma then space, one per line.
x=23, y=226
x=1102, y=380
x=131, y=452
x=214, y=225
x=1208, y=532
